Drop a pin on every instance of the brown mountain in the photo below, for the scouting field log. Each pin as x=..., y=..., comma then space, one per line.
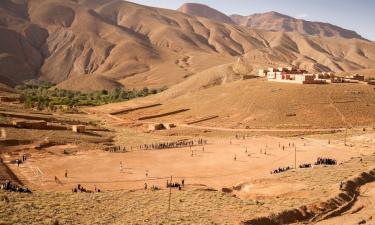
x=202, y=10
x=113, y=43
x=274, y=21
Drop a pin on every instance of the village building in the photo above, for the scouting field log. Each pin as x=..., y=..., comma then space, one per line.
x=356, y=77
x=297, y=76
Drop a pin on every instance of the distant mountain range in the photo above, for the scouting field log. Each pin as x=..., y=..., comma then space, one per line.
x=274, y=21
x=271, y=21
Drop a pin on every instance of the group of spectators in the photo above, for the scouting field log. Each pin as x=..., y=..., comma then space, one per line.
x=325, y=161
x=115, y=149
x=175, y=144
x=80, y=188
x=8, y=186
x=154, y=146
x=305, y=165
x=281, y=169
x=319, y=161
x=176, y=184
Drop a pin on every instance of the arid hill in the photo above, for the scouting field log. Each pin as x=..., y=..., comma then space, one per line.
x=126, y=44
x=202, y=10
x=274, y=21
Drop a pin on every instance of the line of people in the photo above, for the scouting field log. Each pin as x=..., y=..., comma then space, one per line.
x=8, y=186
x=115, y=149
x=281, y=169
x=175, y=144
x=163, y=145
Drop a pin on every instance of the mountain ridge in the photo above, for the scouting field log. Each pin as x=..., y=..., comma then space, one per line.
x=203, y=10
x=115, y=43
x=275, y=21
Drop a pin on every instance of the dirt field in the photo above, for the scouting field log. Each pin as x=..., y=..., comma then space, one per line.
x=214, y=166
x=192, y=205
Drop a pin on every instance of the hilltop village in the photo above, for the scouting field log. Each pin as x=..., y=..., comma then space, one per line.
x=298, y=76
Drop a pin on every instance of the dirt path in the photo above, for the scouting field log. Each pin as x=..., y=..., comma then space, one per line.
x=342, y=116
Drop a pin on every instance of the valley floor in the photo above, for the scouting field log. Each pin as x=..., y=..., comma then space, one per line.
x=227, y=181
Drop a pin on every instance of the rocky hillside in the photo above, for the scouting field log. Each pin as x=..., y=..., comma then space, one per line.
x=117, y=43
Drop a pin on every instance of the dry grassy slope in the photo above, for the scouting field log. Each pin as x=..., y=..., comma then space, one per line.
x=257, y=103
x=260, y=104
x=274, y=21
x=136, y=46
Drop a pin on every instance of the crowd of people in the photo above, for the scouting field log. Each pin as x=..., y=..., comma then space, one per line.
x=281, y=169
x=319, y=161
x=176, y=184
x=8, y=186
x=325, y=161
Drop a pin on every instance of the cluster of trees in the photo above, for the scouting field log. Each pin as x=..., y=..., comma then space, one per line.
x=43, y=96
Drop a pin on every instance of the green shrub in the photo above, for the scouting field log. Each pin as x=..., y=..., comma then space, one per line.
x=43, y=97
